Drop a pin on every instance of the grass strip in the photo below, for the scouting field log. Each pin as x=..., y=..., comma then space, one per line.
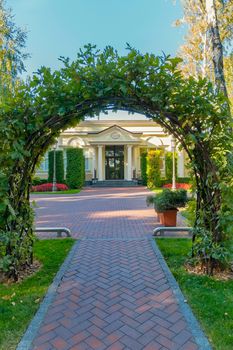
x=58, y=192
x=211, y=300
x=20, y=301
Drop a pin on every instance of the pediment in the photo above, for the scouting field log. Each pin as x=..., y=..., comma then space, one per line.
x=114, y=134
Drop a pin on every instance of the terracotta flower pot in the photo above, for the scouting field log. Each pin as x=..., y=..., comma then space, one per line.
x=168, y=217
x=159, y=216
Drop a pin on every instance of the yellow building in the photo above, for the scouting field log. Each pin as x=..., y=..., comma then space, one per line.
x=112, y=145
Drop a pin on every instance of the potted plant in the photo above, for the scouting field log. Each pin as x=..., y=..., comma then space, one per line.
x=166, y=205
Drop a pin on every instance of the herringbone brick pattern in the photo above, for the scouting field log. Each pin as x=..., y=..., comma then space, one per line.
x=98, y=213
x=114, y=294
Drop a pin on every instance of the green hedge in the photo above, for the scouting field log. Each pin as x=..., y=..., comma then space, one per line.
x=38, y=181
x=153, y=168
x=144, y=168
x=75, y=171
x=59, y=166
x=185, y=180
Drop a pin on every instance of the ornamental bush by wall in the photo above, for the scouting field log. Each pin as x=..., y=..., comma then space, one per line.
x=143, y=160
x=75, y=170
x=153, y=168
x=59, y=166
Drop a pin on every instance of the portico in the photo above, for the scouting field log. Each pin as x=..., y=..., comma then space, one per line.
x=114, y=161
x=116, y=150
x=113, y=147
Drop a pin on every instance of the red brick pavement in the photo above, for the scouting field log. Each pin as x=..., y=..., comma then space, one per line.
x=114, y=294
x=98, y=213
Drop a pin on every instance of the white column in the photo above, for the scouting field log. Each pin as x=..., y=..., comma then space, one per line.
x=173, y=148
x=129, y=158
x=181, y=163
x=94, y=163
x=100, y=163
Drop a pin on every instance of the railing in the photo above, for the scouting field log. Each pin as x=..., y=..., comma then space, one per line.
x=159, y=231
x=58, y=230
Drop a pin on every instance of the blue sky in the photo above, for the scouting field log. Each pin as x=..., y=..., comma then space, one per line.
x=60, y=27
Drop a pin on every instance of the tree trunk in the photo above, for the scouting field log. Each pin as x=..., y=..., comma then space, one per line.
x=204, y=60
x=217, y=47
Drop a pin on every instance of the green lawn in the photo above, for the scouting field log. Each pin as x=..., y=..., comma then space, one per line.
x=157, y=189
x=211, y=300
x=59, y=192
x=19, y=302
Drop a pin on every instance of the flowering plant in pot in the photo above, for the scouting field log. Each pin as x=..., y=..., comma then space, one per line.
x=166, y=204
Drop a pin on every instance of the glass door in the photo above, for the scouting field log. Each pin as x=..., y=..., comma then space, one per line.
x=114, y=162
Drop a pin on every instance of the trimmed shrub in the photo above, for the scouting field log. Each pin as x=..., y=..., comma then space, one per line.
x=48, y=187
x=38, y=181
x=186, y=180
x=153, y=168
x=59, y=166
x=163, y=181
x=168, y=200
x=144, y=168
x=169, y=165
x=75, y=171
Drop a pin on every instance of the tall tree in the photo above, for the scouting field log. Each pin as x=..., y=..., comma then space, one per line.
x=217, y=48
x=12, y=44
x=210, y=32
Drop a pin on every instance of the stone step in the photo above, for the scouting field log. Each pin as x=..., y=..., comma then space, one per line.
x=115, y=183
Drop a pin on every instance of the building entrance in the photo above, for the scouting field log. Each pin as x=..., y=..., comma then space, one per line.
x=114, y=162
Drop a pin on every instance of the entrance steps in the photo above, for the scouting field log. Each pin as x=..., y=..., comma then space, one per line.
x=115, y=183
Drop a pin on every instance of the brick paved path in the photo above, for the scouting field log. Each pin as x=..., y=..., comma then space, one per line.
x=114, y=294
x=98, y=213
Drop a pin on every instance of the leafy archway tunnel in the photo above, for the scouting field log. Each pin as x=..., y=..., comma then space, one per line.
x=50, y=102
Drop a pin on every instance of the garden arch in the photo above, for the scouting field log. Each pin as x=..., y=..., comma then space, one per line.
x=189, y=109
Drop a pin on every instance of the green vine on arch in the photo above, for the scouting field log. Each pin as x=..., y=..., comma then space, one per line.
x=190, y=109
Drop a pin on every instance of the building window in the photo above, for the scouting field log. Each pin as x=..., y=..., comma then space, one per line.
x=88, y=163
x=162, y=165
x=44, y=165
x=65, y=161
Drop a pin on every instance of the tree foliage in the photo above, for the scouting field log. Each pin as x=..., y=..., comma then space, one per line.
x=12, y=56
x=210, y=35
x=190, y=109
